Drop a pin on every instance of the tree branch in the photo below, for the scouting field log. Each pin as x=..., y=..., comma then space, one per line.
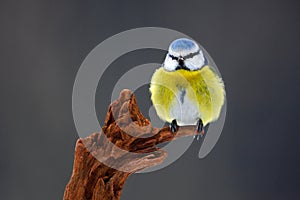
x=126, y=144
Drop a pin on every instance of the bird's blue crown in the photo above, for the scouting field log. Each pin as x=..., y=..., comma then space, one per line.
x=183, y=44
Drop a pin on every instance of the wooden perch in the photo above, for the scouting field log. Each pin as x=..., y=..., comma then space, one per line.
x=127, y=144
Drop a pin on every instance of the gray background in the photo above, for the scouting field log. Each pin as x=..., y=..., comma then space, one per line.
x=254, y=43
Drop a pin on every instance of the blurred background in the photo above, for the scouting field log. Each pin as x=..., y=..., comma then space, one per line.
x=255, y=45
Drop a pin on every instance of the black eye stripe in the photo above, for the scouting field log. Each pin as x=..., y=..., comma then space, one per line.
x=173, y=57
x=191, y=55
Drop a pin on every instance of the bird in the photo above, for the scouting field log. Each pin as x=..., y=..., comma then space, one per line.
x=186, y=89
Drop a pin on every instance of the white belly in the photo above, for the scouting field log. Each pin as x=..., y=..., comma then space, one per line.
x=184, y=110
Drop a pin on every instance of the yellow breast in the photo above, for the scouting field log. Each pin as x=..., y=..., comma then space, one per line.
x=203, y=88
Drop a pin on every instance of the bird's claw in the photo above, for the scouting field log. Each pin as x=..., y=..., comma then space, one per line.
x=197, y=137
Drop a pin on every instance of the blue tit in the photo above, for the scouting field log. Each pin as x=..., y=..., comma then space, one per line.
x=186, y=90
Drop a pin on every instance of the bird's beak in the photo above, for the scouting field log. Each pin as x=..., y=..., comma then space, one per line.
x=181, y=61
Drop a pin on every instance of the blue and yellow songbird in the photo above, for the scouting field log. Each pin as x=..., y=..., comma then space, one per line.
x=186, y=90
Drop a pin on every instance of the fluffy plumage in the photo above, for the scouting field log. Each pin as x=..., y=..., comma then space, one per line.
x=187, y=95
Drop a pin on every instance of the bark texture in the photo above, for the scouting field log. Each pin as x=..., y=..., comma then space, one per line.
x=127, y=144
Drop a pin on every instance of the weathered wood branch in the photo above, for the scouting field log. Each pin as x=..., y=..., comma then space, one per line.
x=127, y=144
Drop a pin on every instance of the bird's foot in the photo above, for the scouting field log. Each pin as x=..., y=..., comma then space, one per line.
x=199, y=130
x=173, y=126
x=199, y=126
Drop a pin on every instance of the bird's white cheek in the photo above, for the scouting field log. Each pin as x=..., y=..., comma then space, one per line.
x=195, y=63
x=170, y=64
